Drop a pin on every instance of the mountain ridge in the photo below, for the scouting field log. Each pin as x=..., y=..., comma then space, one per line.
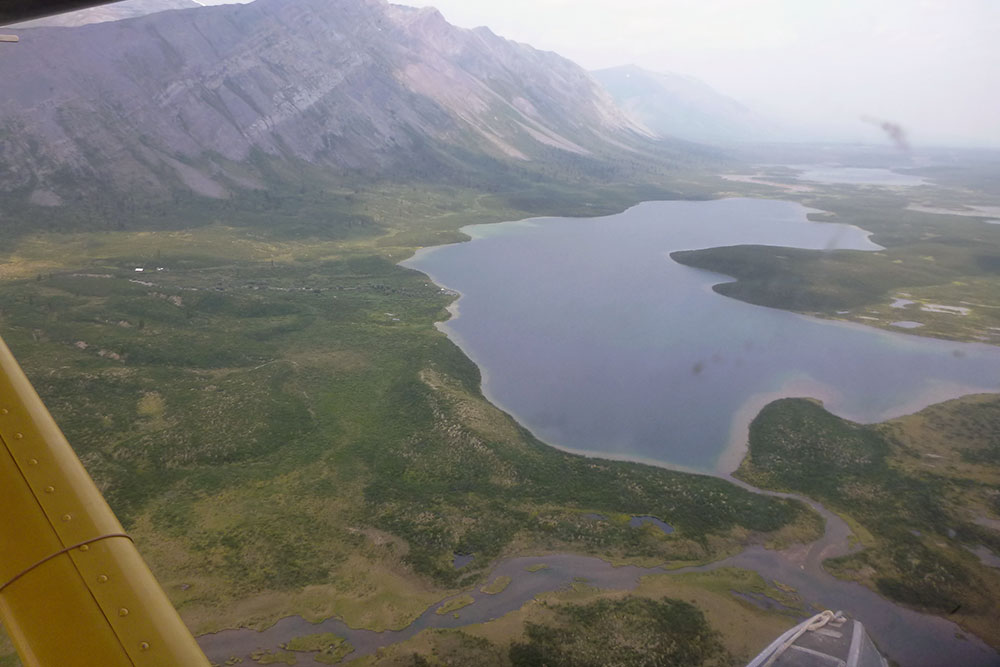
x=191, y=100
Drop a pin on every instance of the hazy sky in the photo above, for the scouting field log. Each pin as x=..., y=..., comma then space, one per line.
x=931, y=66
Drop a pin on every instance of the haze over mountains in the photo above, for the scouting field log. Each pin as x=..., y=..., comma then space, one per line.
x=196, y=99
x=674, y=105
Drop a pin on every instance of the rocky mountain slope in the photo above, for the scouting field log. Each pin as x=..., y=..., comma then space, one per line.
x=115, y=11
x=674, y=105
x=198, y=100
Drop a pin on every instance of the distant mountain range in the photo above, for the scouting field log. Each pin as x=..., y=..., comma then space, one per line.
x=203, y=99
x=674, y=105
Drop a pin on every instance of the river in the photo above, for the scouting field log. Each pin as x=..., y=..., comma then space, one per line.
x=911, y=638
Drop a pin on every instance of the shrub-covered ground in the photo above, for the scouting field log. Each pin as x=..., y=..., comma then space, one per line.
x=275, y=418
x=931, y=259
x=691, y=619
x=922, y=488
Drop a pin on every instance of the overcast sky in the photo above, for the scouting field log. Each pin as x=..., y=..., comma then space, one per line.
x=931, y=66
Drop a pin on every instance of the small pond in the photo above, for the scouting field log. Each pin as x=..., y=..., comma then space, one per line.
x=640, y=521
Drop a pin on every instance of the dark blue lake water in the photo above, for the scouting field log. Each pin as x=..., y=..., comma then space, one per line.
x=591, y=336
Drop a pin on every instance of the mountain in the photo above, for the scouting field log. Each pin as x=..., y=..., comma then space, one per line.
x=207, y=100
x=112, y=12
x=673, y=105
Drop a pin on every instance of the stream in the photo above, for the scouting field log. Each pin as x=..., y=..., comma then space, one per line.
x=911, y=638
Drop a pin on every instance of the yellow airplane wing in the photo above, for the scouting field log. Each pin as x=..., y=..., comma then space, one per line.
x=73, y=588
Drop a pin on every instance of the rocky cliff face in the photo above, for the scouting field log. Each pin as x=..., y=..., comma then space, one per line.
x=192, y=99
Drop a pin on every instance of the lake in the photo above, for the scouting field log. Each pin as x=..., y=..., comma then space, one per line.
x=592, y=337
x=856, y=176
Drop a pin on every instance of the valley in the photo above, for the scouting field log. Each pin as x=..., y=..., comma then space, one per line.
x=236, y=406
x=335, y=345
x=397, y=343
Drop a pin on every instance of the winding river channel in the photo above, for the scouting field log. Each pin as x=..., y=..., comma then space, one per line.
x=591, y=336
x=911, y=638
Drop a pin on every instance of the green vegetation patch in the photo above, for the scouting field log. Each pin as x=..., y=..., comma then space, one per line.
x=740, y=582
x=744, y=628
x=254, y=429
x=440, y=647
x=329, y=648
x=327, y=643
x=274, y=658
x=917, y=517
x=809, y=280
x=454, y=605
x=277, y=420
x=497, y=585
x=630, y=631
x=931, y=259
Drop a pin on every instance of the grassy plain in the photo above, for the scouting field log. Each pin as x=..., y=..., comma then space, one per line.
x=278, y=423
x=920, y=487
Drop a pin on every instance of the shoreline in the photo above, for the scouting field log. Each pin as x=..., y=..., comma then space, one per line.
x=803, y=560
x=734, y=450
x=799, y=566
